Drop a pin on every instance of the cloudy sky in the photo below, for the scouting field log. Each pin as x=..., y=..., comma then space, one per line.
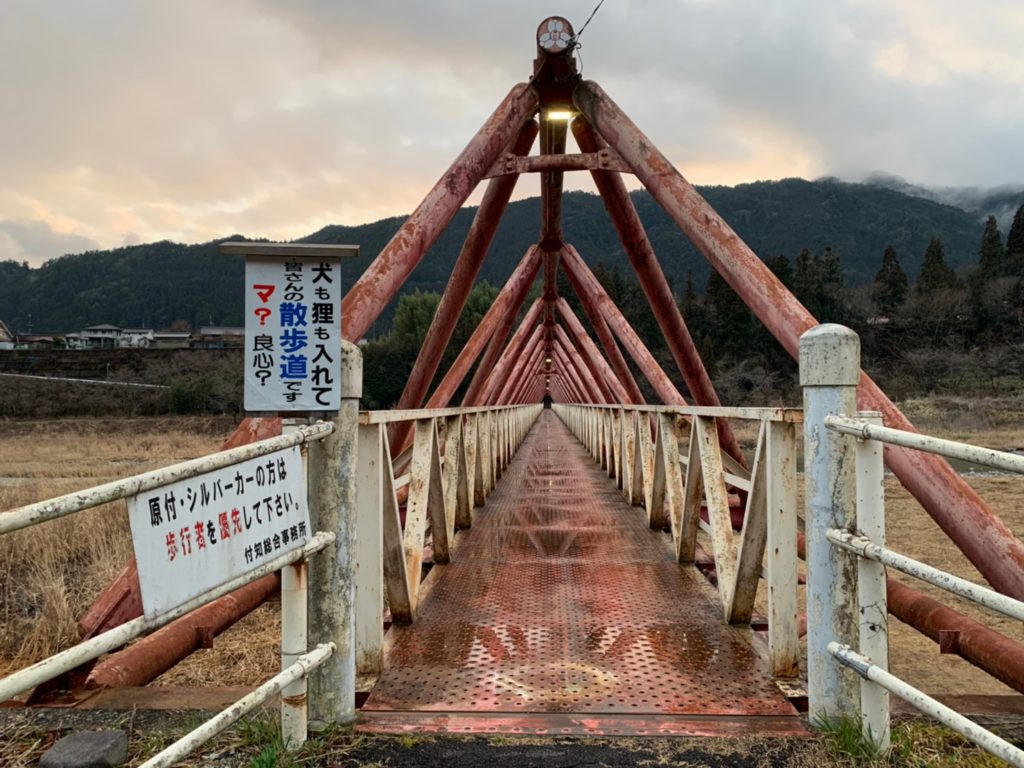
x=135, y=120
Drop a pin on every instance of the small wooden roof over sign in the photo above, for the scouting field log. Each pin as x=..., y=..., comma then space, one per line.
x=233, y=247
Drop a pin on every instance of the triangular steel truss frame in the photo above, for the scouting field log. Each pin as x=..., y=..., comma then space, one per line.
x=550, y=353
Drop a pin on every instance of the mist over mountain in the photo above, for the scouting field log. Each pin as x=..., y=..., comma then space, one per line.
x=155, y=284
x=1001, y=202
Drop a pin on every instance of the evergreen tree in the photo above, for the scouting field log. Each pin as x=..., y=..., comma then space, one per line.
x=1015, y=245
x=935, y=274
x=730, y=322
x=991, y=262
x=805, y=275
x=891, y=287
x=782, y=269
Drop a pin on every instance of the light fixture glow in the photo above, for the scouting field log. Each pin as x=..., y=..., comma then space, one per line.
x=558, y=114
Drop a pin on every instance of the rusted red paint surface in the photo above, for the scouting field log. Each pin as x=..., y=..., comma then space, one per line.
x=460, y=283
x=585, y=366
x=985, y=648
x=585, y=283
x=144, y=661
x=582, y=378
x=666, y=312
x=378, y=285
x=560, y=601
x=503, y=310
x=952, y=503
x=597, y=362
x=519, y=368
x=515, y=349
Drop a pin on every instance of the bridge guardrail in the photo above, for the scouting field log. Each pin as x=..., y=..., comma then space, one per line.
x=297, y=659
x=452, y=465
x=858, y=598
x=639, y=446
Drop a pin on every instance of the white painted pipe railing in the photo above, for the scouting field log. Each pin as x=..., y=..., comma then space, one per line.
x=826, y=350
x=278, y=684
x=42, y=671
x=77, y=501
x=974, y=454
x=985, y=739
x=866, y=548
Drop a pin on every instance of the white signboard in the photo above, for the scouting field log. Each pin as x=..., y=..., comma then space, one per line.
x=292, y=333
x=195, y=534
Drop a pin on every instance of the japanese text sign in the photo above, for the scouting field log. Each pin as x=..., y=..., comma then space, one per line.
x=193, y=535
x=292, y=333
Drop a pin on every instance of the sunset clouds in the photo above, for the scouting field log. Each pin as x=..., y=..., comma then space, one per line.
x=137, y=121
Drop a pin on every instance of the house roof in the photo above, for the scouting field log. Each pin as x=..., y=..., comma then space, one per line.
x=102, y=327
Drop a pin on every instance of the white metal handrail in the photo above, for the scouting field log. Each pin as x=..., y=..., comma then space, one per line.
x=985, y=739
x=845, y=509
x=949, y=448
x=87, y=650
x=274, y=686
x=640, y=446
x=864, y=547
x=297, y=662
x=78, y=501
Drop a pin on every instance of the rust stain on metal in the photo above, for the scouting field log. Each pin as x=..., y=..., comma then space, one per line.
x=560, y=601
x=985, y=648
x=966, y=519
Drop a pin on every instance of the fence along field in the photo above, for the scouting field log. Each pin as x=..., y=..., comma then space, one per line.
x=50, y=574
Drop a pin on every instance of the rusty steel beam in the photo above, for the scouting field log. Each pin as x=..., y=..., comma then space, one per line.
x=534, y=393
x=494, y=347
x=580, y=275
x=522, y=375
x=366, y=299
x=513, y=349
x=604, y=160
x=460, y=283
x=506, y=305
x=144, y=661
x=986, y=541
x=535, y=344
x=641, y=255
x=985, y=648
x=585, y=365
x=593, y=355
x=584, y=392
x=607, y=339
x=570, y=362
x=552, y=143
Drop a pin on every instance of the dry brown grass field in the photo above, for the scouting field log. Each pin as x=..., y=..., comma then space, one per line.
x=49, y=574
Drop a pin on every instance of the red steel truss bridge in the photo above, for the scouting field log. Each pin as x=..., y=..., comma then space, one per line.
x=619, y=562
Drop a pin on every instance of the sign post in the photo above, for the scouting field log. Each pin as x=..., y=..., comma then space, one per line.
x=297, y=363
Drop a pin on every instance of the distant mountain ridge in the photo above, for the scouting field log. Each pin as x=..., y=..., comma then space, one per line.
x=153, y=285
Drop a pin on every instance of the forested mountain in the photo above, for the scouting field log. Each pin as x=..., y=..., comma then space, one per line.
x=155, y=284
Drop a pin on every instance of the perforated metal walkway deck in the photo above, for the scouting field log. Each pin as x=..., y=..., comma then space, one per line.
x=562, y=612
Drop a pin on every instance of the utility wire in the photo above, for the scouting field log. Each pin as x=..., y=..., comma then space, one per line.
x=576, y=38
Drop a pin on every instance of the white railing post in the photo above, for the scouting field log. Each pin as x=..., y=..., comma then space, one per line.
x=780, y=554
x=368, y=548
x=332, y=495
x=829, y=372
x=871, y=596
x=294, y=711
